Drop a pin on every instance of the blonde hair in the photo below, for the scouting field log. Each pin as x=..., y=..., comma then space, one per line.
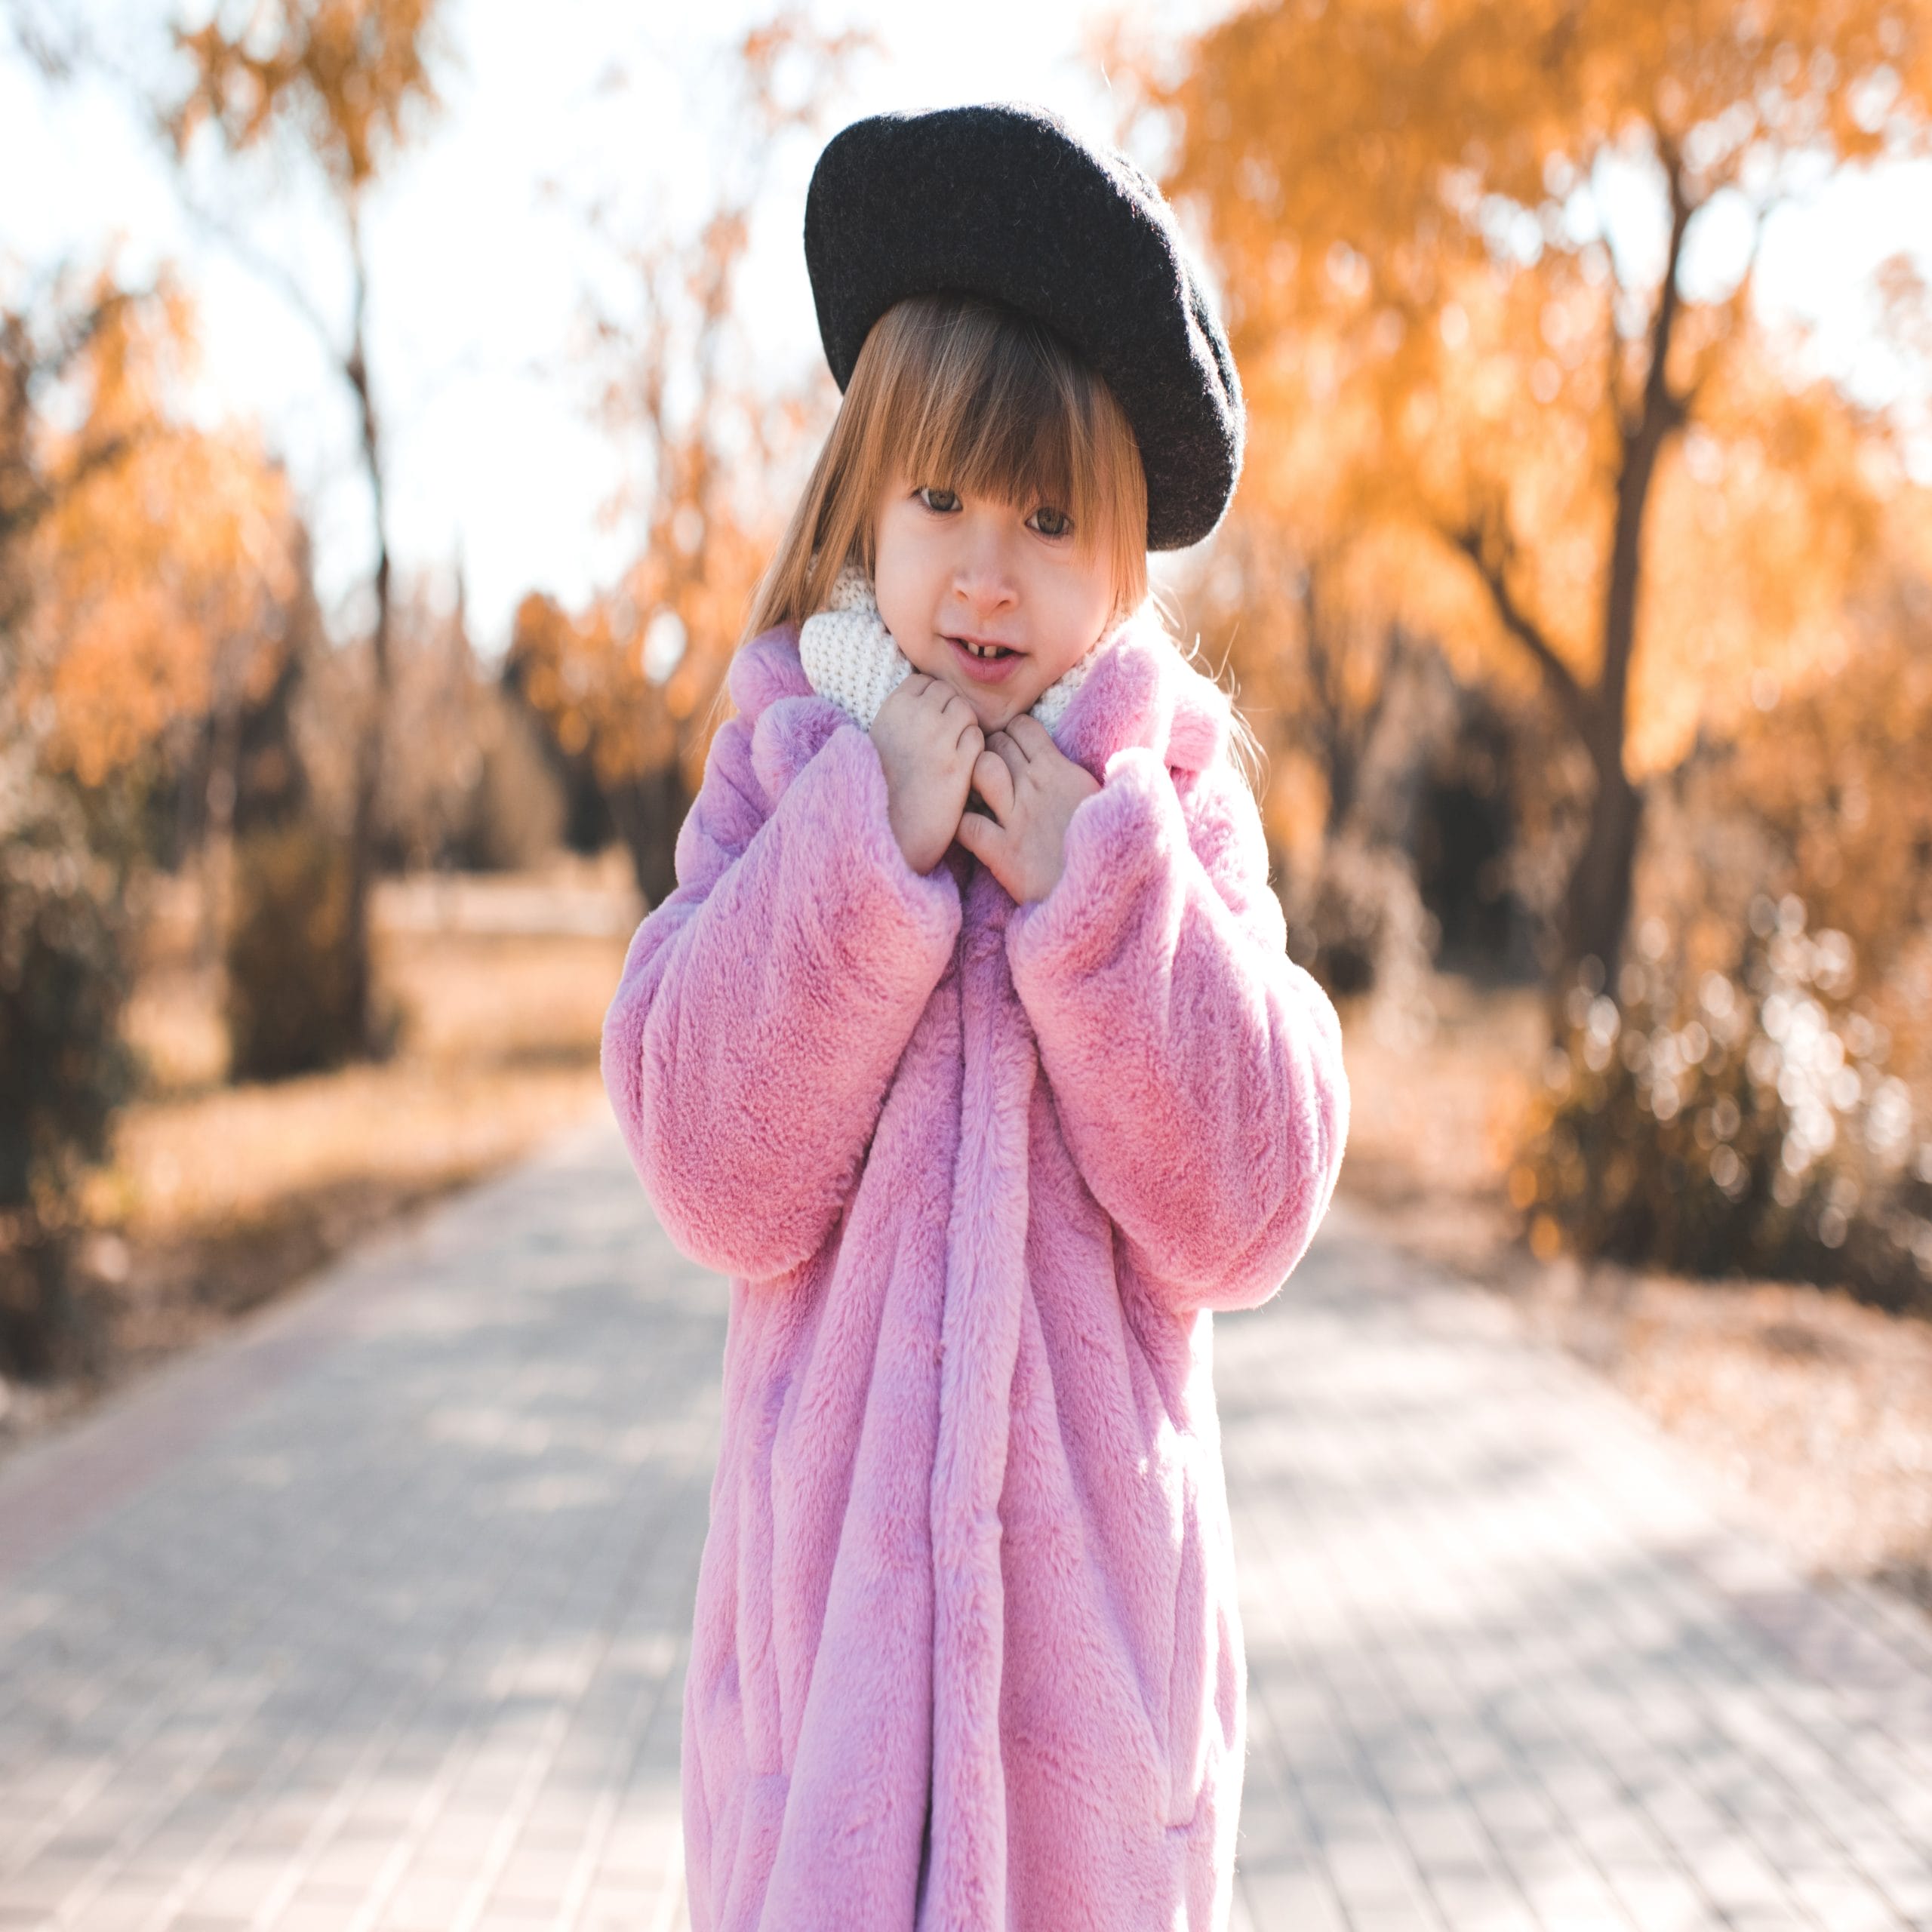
x=963, y=394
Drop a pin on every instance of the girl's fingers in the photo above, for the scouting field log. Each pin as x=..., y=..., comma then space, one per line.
x=1032, y=737
x=978, y=835
x=1001, y=739
x=993, y=784
x=1014, y=760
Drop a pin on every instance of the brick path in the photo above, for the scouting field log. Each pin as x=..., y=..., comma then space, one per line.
x=371, y=1617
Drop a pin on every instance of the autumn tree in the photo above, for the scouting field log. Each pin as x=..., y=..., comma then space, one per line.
x=1347, y=702
x=1489, y=276
x=1823, y=796
x=346, y=80
x=137, y=554
x=62, y=966
x=163, y=590
x=631, y=682
x=1750, y=1094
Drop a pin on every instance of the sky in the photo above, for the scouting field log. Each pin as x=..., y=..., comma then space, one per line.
x=483, y=252
x=482, y=255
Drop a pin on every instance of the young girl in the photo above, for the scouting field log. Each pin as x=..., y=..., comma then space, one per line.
x=968, y=1046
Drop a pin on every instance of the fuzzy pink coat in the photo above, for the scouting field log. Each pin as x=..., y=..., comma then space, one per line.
x=979, y=1175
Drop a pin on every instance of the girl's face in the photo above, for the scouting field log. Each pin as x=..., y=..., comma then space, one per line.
x=992, y=598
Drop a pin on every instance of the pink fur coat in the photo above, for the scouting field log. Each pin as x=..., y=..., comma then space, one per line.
x=979, y=1175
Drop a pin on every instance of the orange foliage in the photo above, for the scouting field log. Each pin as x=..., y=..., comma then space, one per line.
x=151, y=580
x=634, y=681
x=1836, y=772
x=1437, y=336
x=157, y=575
x=1550, y=439
x=351, y=70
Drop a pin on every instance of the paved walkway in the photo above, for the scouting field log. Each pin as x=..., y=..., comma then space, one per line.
x=371, y=1617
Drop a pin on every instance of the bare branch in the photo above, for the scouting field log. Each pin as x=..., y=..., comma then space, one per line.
x=1490, y=554
x=1661, y=408
x=1661, y=411
x=55, y=48
x=266, y=267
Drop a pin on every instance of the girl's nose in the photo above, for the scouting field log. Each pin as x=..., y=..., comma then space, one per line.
x=983, y=576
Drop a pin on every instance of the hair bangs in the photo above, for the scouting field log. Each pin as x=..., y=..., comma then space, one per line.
x=956, y=392
x=996, y=411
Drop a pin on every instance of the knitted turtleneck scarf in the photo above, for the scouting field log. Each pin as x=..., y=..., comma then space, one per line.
x=849, y=656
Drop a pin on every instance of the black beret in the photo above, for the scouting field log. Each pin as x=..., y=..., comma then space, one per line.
x=1003, y=200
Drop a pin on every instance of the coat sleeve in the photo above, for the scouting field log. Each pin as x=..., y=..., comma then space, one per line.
x=765, y=1002
x=1196, y=1069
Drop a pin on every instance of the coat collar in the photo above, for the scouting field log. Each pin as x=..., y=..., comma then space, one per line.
x=1141, y=693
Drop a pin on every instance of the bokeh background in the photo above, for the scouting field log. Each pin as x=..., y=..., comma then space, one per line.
x=398, y=399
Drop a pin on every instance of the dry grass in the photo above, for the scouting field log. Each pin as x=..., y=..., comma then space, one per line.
x=1817, y=1409
x=219, y=1197
x=1431, y=1126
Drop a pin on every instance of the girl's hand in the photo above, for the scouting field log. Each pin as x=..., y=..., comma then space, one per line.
x=1031, y=786
x=927, y=739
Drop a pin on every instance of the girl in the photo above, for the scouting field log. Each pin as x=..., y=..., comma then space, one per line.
x=968, y=1046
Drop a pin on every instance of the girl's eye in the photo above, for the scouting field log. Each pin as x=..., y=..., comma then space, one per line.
x=1050, y=522
x=941, y=500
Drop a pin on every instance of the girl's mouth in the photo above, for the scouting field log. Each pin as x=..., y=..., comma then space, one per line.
x=985, y=663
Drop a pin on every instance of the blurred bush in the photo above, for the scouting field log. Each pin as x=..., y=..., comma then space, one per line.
x=1358, y=924
x=62, y=1067
x=292, y=1003
x=1740, y=1120
x=516, y=809
x=1393, y=791
x=469, y=783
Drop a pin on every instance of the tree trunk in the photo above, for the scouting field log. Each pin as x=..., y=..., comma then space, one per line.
x=369, y=751
x=217, y=908
x=1597, y=907
x=370, y=746
x=45, y=1333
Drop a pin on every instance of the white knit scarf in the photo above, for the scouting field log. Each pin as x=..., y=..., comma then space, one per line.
x=849, y=656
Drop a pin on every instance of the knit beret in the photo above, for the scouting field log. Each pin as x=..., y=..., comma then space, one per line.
x=1003, y=200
